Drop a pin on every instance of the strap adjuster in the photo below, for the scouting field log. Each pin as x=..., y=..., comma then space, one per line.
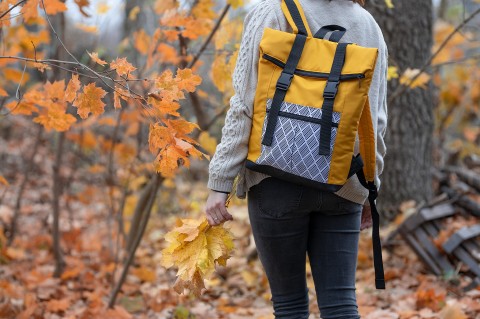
x=284, y=81
x=372, y=190
x=331, y=89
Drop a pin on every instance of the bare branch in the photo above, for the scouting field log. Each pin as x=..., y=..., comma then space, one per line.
x=210, y=36
x=13, y=7
x=401, y=89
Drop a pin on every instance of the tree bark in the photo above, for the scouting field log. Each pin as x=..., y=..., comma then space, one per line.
x=408, y=32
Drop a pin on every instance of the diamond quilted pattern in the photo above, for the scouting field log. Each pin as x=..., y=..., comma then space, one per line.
x=295, y=144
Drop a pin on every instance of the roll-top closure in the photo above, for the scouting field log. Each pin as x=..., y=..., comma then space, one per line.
x=278, y=44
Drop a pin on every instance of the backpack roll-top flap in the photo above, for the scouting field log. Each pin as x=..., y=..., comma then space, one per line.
x=278, y=44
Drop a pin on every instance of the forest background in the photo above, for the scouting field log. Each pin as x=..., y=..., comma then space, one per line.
x=109, y=113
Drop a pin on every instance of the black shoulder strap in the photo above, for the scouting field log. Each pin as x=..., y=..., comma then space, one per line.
x=377, y=246
x=282, y=86
x=292, y=8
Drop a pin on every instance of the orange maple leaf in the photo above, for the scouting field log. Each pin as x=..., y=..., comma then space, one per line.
x=142, y=41
x=122, y=66
x=55, y=118
x=30, y=10
x=90, y=101
x=54, y=6
x=72, y=88
x=187, y=80
x=82, y=4
x=3, y=92
x=96, y=59
x=159, y=137
x=167, y=161
x=164, y=106
x=181, y=126
x=55, y=91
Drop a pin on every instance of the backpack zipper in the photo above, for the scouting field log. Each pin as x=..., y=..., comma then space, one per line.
x=279, y=63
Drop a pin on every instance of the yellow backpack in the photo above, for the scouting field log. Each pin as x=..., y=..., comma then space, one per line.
x=310, y=102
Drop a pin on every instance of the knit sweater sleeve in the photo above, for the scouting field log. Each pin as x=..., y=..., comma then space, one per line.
x=232, y=150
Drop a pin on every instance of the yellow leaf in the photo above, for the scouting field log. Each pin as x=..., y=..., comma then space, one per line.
x=144, y=274
x=134, y=13
x=194, y=247
x=420, y=81
x=208, y=142
x=389, y=4
x=87, y=28
x=3, y=181
x=235, y=3
x=392, y=73
x=204, y=9
x=103, y=8
x=221, y=75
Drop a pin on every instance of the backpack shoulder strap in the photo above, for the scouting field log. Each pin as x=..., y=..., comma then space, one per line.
x=366, y=177
x=296, y=17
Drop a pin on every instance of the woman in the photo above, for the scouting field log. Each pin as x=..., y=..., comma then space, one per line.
x=290, y=221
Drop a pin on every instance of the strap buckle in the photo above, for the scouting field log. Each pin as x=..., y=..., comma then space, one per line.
x=372, y=190
x=331, y=89
x=284, y=81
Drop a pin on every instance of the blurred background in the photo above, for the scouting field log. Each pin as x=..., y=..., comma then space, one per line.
x=111, y=110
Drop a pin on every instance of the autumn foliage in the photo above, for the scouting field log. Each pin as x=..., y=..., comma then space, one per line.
x=96, y=147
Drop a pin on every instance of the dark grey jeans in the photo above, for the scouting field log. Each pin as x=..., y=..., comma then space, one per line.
x=288, y=221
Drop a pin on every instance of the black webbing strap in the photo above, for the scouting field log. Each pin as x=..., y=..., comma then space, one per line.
x=356, y=165
x=297, y=18
x=337, y=34
x=329, y=97
x=282, y=86
x=377, y=246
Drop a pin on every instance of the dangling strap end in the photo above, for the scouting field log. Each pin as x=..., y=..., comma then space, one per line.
x=380, y=283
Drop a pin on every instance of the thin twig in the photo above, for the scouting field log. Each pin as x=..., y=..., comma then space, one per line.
x=17, y=92
x=13, y=7
x=473, y=57
x=210, y=36
x=401, y=89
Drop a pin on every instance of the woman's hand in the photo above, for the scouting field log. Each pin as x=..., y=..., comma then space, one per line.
x=366, y=217
x=215, y=209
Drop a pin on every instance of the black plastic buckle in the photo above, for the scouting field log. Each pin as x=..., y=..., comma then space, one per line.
x=372, y=190
x=330, y=90
x=284, y=81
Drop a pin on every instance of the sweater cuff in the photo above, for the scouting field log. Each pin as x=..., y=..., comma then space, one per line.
x=220, y=186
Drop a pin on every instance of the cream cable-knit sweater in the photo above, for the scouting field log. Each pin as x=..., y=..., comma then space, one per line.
x=231, y=153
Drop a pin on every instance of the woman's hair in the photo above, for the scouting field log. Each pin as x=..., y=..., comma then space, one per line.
x=361, y=2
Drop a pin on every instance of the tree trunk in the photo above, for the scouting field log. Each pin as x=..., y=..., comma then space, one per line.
x=407, y=174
